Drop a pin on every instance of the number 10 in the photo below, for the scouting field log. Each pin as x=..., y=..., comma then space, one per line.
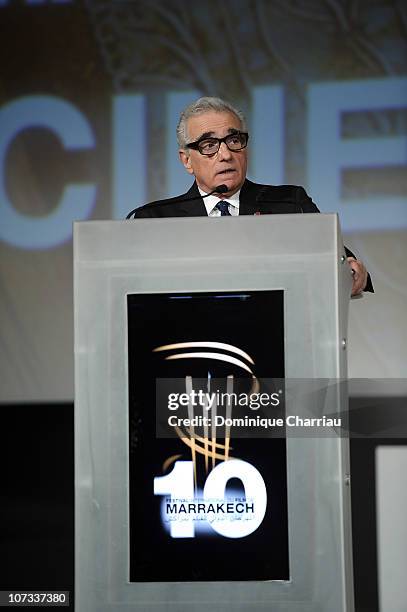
x=180, y=485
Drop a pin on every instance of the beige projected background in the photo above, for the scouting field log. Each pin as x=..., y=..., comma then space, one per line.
x=92, y=54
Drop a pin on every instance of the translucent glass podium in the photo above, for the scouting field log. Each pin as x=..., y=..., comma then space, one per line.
x=277, y=283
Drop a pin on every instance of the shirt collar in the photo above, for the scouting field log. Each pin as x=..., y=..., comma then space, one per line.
x=211, y=201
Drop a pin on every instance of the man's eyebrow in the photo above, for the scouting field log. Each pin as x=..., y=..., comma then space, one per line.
x=205, y=135
x=212, y=134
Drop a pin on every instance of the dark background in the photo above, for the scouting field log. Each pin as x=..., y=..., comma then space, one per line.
x=252, y=321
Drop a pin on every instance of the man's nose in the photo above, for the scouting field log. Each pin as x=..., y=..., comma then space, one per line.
x=224, y=152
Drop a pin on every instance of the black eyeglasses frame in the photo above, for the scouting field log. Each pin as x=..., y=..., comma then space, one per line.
x=195, y=145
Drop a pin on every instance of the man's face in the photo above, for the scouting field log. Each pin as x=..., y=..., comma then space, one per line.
x=224, y=167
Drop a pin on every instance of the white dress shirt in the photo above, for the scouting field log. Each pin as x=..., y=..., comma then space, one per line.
x=211, y=201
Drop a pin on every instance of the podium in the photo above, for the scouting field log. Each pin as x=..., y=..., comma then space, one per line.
x=277, y=283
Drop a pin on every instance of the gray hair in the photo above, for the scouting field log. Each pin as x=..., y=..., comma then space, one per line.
x=201, y=106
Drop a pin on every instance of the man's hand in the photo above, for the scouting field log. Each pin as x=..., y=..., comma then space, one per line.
x=359, y=273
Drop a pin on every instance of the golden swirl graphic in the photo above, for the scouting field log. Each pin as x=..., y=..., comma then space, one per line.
x=207, y=344
x=207, y=445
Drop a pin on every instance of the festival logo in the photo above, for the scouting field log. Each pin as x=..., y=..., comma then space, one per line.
x=198, y=496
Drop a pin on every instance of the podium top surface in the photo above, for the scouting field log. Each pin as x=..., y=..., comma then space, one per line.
x=203, y=237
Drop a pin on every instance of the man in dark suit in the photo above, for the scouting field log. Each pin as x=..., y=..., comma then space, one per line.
x=212, y=139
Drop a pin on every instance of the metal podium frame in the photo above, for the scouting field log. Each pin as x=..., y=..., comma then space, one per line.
x=301, y=254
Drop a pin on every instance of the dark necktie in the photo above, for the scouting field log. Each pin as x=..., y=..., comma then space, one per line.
x=224, y=208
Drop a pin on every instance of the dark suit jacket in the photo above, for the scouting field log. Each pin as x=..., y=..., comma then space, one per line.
x=254, y=198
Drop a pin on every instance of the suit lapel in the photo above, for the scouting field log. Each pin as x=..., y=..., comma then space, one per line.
x=248, y=194
x=195, y=208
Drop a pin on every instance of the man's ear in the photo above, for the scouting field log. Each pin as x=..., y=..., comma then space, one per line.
x=185, y=160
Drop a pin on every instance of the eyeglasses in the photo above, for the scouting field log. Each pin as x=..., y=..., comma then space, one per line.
x=209, y=146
